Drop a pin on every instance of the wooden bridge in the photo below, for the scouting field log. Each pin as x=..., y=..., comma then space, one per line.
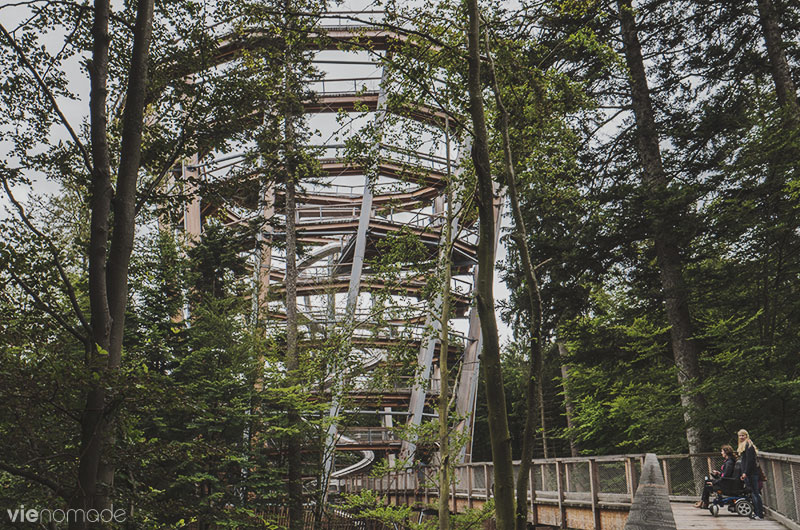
x=633, y=492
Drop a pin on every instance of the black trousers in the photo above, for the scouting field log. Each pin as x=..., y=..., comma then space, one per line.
x=708, y=489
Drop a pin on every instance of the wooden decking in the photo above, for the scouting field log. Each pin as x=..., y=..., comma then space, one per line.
x=687, y=517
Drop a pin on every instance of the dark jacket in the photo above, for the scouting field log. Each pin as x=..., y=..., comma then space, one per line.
x=728, y=468
x=728, y=472
x=749, y=461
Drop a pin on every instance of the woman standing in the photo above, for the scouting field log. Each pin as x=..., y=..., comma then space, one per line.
x=748, y=452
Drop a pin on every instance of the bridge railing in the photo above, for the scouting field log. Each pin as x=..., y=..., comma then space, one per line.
x=610, y=481
x=782, y=490
x=369, y=435
x=606, y=481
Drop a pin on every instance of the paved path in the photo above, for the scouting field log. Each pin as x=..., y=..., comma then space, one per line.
x=687, y=517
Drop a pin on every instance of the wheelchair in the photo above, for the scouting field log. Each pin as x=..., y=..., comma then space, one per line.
x=733, y=494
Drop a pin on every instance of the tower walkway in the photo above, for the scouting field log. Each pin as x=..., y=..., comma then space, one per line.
x=625, y=492
x=687, y=517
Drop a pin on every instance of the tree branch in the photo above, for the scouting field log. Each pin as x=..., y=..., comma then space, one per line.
x=35, y=477
x=54, y=251
x=24, y=59
x=173, y=157
x=81, y=7
x=45, y=307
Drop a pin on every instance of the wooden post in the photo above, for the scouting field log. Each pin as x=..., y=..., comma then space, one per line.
x=708, y=461
x=486, y=481
x=453, y=493
x=594, y=488
x=532, y=488
x=777, y=487
x=629, y=478
x=796, y=488
x=567, y=477
x=192, y=217
x=416, y=486
x=562, y=510
x=667, y=482
x=470, y=477
x=426, y=490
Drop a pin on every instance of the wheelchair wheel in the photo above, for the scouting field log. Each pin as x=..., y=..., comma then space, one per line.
x=744, y=508
x=714, y=509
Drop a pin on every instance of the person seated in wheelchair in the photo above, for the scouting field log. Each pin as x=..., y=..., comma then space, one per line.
x=726, y=479
x=732, y=492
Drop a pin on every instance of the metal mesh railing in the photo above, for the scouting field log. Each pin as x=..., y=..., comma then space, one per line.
x=612, y=477
x=576, y=477
x=616, y=479
x=782, y=489
x=546, y=478
x=679, y=476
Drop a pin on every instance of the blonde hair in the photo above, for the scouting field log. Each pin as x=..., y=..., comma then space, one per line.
x=747, y=442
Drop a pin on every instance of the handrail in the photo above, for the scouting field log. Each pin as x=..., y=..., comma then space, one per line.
x=615, y=481
x=407, y=156
x=369, y=83
x=781, y=494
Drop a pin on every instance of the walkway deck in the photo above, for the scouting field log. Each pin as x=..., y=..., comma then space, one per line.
x=614, y=492
x=687, y=517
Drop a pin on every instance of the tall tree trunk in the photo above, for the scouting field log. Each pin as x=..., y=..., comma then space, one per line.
x=495, y=390
x=533, y=387
x=444, y=387
x=563, y=354
x=541, y=409
x=294, y=461
x=785, y=88
x=686, y=351
x=775, y=205
x=108, y=266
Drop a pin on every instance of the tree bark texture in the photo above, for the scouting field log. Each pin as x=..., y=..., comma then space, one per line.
x=685, y=349
x=568, y=407
x=533, y=401
x=294, y=460
x=108, y=264
x=495, y=396
x=785, y=88
x=776, y=204
x=444, y=387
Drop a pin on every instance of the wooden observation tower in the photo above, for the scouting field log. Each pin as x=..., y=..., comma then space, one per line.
x=344, y=220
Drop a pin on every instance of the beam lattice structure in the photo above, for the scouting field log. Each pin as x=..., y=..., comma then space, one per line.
x=348, y=217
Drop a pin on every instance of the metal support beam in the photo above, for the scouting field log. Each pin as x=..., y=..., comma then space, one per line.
x=358, y=263
x=434, y=325
x=191, y=211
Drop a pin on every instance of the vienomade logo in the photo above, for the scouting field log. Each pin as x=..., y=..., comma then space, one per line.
x=47, y=516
